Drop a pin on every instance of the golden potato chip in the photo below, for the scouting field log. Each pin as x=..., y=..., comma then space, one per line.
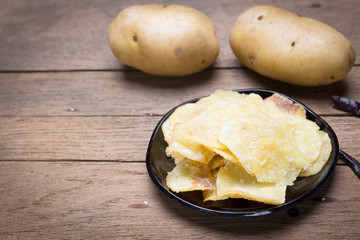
x=283, y=104
x=211, y=195
x=322, y=159
x=232, y=181
x=303, y=132
x=189, y=176
x=230, y=96
x=254, y=99
x=181, y=114
x=205, y=127
x=244, y=128
x=172, y=152
x=254, y=148
x=277, y=161
x=186, y=148
x=184, y=113
x=227, y=154
x=205, y=102
x=190, y=150
x=217, y=162
x=306, y=136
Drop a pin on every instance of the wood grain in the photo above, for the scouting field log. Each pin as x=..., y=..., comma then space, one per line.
x=108, y=138
x=75, y=200
x=71, y=35
x=75, y=125
x=75, y=138
x=135, y=93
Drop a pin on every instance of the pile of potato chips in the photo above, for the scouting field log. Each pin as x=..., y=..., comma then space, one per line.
x=232, y=145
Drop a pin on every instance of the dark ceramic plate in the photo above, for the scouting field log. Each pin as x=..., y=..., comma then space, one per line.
x=158, y=165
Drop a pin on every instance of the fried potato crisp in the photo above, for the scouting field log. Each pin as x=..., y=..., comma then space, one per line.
x=190, y=150
x=234, y=182
x=232, y=145
x=277, y=161
x=322, y=159
x=190, y=175
x=243, y=127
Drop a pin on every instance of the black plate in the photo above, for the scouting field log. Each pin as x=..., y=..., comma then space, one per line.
x=158, y=165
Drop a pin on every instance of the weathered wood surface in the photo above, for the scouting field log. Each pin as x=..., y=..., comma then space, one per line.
x=108, y=138
x=75, y=200
x=75, y=125
x=134, y=93
x=68, y=35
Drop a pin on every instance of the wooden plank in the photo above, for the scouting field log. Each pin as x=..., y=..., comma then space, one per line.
x=108, y=138
x=67, y=35
x=75, y=138
x=106, y=200
x=135, y=93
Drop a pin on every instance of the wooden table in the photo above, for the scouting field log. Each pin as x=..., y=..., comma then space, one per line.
x=75, y=125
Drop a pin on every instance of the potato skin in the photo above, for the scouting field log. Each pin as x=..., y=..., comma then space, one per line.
x=291, y=48
x=167, y=40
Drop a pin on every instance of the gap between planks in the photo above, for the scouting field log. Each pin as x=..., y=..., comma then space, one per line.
x=141, y=115
x=74, y=160
x=339, y=163
x=112, y=70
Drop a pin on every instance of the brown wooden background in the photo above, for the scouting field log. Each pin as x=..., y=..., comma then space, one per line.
x=81, y=174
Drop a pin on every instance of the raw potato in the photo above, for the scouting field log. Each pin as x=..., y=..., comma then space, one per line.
x=167, y=40
x=291, y=48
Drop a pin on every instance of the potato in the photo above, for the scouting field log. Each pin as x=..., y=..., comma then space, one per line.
x=167, y=40
x=291, y=48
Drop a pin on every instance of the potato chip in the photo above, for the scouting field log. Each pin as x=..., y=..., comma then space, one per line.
x=322, y=159
x=303, y=132
x=205, y=127
x=204, y=130
x=282, y=104
x=217, y=162
x=244, y=128
x=254, y=148
x=212, y=195
x=184, y=113
x=227, y=154
x=230, y=96
x=277, y=161
x=181, y=114
x=254, y=99
x=232, y=181
x=171, y=152
x=305, y=135
x=186, y=148
x=189, y=176
x=190, y=150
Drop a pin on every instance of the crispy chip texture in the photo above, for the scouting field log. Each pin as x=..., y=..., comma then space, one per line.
x=243, y=128
x=205, y=127
x=184, y=113
x=277, y=161
x=283, y=104
x=304, y=133
x=190, y=150
x=217, y=162
x=190, y=175
x=234, y=182
x=230, y=96
x=232, y=145
x=322, y=159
